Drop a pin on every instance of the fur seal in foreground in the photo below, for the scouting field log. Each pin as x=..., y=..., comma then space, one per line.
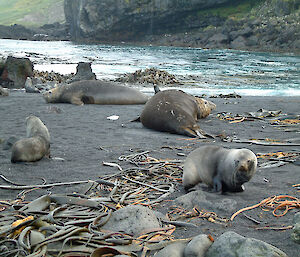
x=220, y=168
x=35, y=146
x=176, y=112
x=94, y=92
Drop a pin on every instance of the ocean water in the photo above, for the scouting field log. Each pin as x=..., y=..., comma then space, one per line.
x=204, y=71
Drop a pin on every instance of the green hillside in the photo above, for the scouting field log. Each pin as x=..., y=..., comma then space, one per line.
x=32, y=13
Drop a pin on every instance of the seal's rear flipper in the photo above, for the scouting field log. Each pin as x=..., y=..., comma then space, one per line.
x=191, y=132
x=138, y=119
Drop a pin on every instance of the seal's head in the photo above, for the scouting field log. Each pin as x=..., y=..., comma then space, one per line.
x=51, y=96
x=245, y=166
x=205, y=107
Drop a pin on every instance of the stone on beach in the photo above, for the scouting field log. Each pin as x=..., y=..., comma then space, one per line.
x=17, y=70
x=132, y=220
x=231, y=244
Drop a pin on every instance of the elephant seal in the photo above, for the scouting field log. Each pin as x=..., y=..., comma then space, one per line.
x=94, y=92
x=176, y=112
x=35, y=146
x=220, y=168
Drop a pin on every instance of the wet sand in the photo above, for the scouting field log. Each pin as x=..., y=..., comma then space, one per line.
x=84, y=138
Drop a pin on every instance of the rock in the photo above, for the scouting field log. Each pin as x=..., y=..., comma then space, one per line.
x=3, y=91
x=198, y=246
x=246, y=32
x=172, y=250
x=133, y=220
x=215, y=204
x=17, y=71
x=252, y=40
x=83, y=72
x=190, y=200
x=296, y=229
x=225, y=205
x=296, y=218
x=238, y=43
x=15, y=32
x=231, y=244
x=219, y=38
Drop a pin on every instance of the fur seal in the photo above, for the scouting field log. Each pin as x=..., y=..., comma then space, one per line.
x=94, y=92
x=220, y=168
x=3, y=91
x=176, y=112
x=35, y=146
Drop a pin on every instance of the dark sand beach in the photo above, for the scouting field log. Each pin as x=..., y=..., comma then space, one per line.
x=85, y=138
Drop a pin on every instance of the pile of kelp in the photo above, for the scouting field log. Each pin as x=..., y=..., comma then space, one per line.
x=70, y=225
x=150, y=76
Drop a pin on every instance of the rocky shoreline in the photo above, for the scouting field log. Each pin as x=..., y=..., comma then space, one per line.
x=272, y=26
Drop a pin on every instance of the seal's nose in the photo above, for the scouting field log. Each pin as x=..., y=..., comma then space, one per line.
x=243, y=168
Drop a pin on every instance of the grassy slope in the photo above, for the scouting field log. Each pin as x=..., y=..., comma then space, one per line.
x=233, y=9
x=30, y=12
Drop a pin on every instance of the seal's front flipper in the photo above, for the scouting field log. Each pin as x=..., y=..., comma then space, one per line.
x=240, y=188
x=189, y=188
x=217, y=184
x=76, y=101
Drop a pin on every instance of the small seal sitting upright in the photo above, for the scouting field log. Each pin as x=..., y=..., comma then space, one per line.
x=220, y=168
x=3, y=91
x=35, y=146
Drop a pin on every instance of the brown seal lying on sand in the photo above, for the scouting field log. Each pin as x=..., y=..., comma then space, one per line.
x=175, y=111
x=220, y=168
x=94, y=92
x=35, y=146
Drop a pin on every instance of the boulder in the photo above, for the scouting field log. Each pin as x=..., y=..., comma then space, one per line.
x=296, y=229
x=198, y=246
x=17, y=70
x=238, y=43
x=172, y=250
x=190, y=200
x=219, y=38
x=83, y=72
x=231, y=244
x=133, y=220
x=198, y=199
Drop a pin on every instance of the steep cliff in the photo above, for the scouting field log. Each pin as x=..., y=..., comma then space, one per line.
x=269, y=25
x=131, y=19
